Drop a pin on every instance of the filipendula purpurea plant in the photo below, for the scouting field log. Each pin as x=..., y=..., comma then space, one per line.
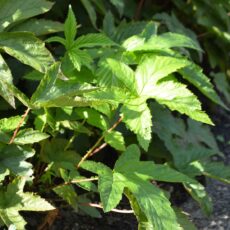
x=102, y=82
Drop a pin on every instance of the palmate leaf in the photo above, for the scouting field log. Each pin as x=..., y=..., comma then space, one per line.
x=186, y=145
x=14, y=200
x=27, y=49
x=13, y=158
x=168, y=91
x=134, y=174
x=54, y=92
x=159, y=42
x=12, y=11
x=113, y=73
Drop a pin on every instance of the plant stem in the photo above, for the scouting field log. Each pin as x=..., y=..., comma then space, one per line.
x=94, y=149
x=138, y=10
x=113, y=210
x=19, y=125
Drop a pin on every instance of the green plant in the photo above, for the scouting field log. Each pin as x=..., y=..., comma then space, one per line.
x=127, y=77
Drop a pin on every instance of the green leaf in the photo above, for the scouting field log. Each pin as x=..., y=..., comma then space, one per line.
x=197, y=191
x=27, y=49
x=70, y=28
x=93, y=40
x=186, y=142
x=13, y=158
x=54, y=92
x=39, y=27
x=10, y=124
x=183, y=220
x=91, y=11
x=14, y=200
x=119, y=4
x=29, y=136
x=6, y=76
x=67, y=193
x=160, y=42
x=138, y=119
x=92, y=117
x=135, y=175
x=113, y=73
x=195, y=76
x=216, y=170
x=115, y=139
x=154, y=68
x=12, y=11
x=55, y=153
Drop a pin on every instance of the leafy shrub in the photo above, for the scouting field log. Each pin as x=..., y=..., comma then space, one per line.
x=128, y=76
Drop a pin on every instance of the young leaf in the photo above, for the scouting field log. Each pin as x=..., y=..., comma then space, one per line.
x=70, y=28
x=12, y=11
x=14, y=200
x=93, y=40
x=27, y=49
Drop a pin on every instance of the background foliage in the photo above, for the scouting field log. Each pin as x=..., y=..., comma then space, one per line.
x=128, y=84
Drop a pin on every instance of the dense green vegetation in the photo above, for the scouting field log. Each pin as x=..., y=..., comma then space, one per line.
x=112, y=95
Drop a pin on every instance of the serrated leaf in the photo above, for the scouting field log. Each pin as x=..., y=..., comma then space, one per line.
x=27, y=49
x=195, y=76
x=160, y=42
x=183, y=220
x=54, y=92
x=186, y=145
x=216, y=170
x=14, y=200
x=91, y=11
x=55, y=153
x=70, y=28
x=93, y=40
x=13, y=158
x=113, y=73
x=197, y=191
x=6, y=76
x=115, y=139
x=119, y=4
x=9, y=124
x=154, y=68
x=29, y=136
x=134, y=174
x=12, y=11
x=39, y=27
x=138, y=119
x=92, y=117
x=67, y=193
